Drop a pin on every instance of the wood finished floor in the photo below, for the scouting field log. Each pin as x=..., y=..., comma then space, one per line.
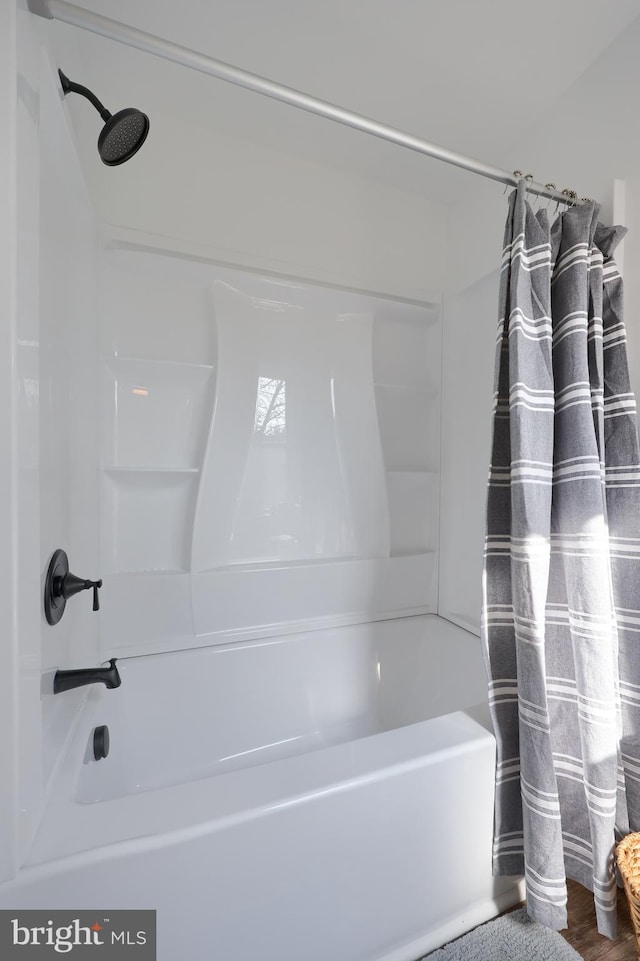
x=582, y=933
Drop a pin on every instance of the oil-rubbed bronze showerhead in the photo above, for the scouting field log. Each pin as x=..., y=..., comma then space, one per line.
x=122, y=136
x=123, y=133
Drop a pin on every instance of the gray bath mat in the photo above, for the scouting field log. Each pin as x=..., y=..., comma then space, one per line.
x=512, y=937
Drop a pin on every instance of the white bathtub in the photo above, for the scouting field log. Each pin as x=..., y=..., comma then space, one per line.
x=302, y=798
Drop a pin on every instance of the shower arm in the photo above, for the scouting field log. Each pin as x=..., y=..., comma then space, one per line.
x=68, y=86
x=147, y=42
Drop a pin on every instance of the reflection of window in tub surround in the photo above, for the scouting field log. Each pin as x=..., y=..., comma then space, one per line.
x=140, y=391
x=270, y=419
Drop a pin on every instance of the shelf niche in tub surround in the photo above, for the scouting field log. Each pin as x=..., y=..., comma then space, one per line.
x=270, y=453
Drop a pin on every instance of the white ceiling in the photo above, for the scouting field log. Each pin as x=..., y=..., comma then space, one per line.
x=471, y=75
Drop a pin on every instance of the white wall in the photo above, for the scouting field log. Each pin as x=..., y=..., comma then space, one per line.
x=11, y=691
x=587, y=141
x=68, y=409
x=238, y=202
x=470, y=320
x=256, y=207
x=194, y=192
x=48, y=482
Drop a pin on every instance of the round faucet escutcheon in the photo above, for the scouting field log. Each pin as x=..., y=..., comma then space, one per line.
x=60, y=584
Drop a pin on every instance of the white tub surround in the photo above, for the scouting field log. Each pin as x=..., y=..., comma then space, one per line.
x=299, y=796
x=262, y=437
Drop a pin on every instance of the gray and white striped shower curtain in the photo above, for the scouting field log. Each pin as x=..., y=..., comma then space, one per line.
x=561, y=583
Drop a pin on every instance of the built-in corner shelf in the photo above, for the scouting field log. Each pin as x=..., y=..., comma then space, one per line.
x=147, y=516
x=154, y=427
x=152, y=572
x=154, y=411
x=418, y=553
x=413, y=511
x=412, y=472
x=423, y=389
x=409, y=422
x=151, y=470
x=406, y=361
x=124, y=360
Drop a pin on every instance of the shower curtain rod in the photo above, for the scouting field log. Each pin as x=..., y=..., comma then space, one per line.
x=113, y=30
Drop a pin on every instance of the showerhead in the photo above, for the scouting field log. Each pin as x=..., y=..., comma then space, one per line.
x=122, y=136
x=123, y=133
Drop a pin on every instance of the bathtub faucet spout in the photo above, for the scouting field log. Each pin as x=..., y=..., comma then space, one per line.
x=67, y=680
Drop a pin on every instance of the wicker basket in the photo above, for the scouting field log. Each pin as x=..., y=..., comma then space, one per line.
x=628, y=857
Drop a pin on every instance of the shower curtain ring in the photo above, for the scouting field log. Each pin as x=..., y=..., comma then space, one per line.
x=517, y=174
x=529, y=179
x=553, y=187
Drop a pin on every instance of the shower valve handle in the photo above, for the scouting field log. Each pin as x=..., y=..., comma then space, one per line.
x=69, y=584
x=61, y=584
